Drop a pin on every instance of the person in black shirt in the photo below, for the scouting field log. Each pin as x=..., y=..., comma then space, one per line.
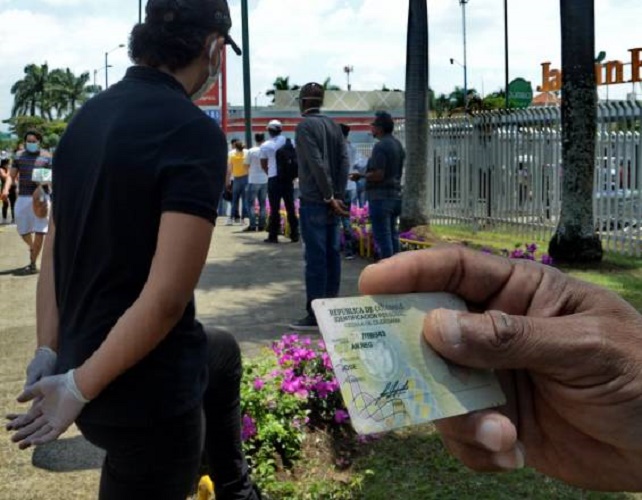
x=383, y=185
x=138, y=176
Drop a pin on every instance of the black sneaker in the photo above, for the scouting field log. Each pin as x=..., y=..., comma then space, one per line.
x=249, y=230
x=28, y=270
x=295, y=239
x=271, y=240
x=307, y=323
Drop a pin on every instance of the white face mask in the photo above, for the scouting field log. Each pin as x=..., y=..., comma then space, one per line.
x=214, y=70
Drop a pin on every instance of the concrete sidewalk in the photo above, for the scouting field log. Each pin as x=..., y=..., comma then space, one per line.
x=251, y=288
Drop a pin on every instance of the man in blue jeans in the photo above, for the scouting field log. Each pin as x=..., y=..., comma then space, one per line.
x=323, y=175
x=383, y=185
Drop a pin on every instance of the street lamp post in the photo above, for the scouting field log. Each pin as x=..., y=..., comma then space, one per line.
x=96, y=73
x=463, y=66
x=463, y=16
x=347, y=70
x=107, y=66
x=507, y=103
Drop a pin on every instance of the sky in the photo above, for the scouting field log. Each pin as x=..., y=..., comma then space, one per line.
x=310, y=40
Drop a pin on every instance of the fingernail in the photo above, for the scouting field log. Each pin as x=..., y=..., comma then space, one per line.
x=511, y=460
x=489, y=434
x=449, y=327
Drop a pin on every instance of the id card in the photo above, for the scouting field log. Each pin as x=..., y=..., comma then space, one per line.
x=389, y=376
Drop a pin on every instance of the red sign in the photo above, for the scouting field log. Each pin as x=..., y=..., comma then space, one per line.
x=212, y=97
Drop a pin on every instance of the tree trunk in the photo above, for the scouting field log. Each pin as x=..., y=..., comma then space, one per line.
x=576, y=240
x=415, y=202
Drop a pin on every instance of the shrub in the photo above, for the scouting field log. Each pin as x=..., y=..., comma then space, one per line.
x=284, y=393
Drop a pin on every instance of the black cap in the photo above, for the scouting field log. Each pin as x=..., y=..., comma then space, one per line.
x=208, y=14
x=383, y=119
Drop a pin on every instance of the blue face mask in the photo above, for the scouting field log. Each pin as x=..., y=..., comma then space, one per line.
x=32, y=147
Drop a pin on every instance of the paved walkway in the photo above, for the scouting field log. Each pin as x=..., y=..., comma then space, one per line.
x=251, y=288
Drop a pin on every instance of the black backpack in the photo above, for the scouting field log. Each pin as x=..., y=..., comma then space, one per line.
x=287, y=165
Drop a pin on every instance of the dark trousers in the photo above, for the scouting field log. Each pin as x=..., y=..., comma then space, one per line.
x=10, y=203
x=320, y=230
x=223, y=455
x=162, y=460
x=277, y=191
x=158, y=461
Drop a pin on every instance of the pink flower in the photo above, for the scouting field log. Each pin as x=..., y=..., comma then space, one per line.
x=248, y=430
x=341, y=416
x=258, y=384
x=547, y=260
x=327, y=363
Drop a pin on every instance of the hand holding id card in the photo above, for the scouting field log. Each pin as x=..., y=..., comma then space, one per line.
x=389, y=376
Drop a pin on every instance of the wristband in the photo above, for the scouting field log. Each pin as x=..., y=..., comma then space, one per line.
x=329, y=200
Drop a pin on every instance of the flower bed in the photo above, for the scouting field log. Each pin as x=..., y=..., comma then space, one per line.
x=286, y=393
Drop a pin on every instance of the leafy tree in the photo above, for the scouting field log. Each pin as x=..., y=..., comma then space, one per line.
x=415, y=202
x=576, y=240
x=442, y=105
x=50, y=130
x=69, y=91
x=330, y=86
x=31, y=94
x=281, y=83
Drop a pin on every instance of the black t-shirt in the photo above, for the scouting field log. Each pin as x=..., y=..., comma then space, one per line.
x=131, y=153
x=387, y=155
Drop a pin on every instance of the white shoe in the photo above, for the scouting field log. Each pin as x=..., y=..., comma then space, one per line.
x=229, y=222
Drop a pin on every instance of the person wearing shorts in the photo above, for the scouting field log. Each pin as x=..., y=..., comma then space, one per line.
x=31, y=228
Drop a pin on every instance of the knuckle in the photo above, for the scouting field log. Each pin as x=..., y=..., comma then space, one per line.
x=506, y=330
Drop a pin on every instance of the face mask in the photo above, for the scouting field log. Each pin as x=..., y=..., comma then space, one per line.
x=32, y=147
x=214, y=70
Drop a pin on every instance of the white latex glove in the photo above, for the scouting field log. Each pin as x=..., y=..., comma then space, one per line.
x=42, y=365
x=58, y=402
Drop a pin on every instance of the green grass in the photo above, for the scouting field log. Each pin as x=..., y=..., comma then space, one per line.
x=413, y=465
x=618, y=273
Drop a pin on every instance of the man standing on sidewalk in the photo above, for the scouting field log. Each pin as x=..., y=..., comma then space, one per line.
x=323, y=174
x=258, y=186
x=383, y=185
x=31, y=227
x=277, y=190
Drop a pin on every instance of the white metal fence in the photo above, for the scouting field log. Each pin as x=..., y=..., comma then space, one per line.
x=503, y=171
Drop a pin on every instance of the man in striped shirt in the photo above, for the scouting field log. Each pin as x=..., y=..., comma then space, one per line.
x=31, y=228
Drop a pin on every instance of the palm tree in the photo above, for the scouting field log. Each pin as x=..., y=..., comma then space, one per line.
x=69, y=91
x=281, y=83
x=415, y=202
x=576, y=239
x=330, y=86
x=31, y=92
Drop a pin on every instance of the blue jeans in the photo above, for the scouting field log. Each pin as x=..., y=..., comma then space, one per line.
x=254, y=192
x=384, y=215
x=320, y=231
x=239, y=188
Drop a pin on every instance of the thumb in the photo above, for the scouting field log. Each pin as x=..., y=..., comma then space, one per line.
x=495, y=340
x=29, y=393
